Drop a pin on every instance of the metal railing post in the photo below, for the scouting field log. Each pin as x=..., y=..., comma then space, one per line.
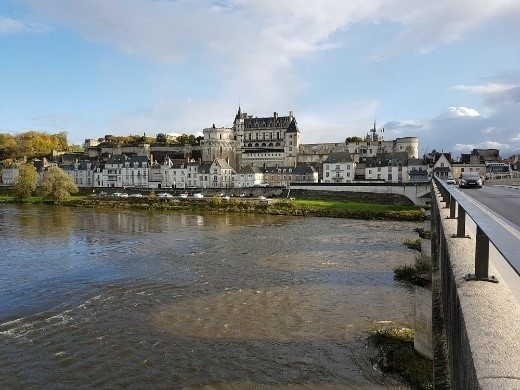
x=481, y=259
x=461, y=223
x=453, y=204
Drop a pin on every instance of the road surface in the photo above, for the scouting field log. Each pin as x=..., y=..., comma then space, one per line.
x=503, y=200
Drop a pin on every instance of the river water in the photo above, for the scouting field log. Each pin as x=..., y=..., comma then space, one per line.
x=139, y=300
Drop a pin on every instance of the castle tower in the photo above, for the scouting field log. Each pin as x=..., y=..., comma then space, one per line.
x=218, y=142
x=291, y=141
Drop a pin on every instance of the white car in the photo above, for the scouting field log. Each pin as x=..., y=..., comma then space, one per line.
x=198, y=196
x=451, y=180
x=225, y=197
x=183, y=195
x=165, y=195
x=261, y=197
x=136, y=196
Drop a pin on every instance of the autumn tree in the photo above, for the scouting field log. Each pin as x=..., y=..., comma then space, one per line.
x=57, y=185
x=31, y=144
x=7, y=146
x=25, y=184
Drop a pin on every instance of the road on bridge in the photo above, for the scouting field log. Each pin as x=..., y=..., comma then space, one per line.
x=503, y=200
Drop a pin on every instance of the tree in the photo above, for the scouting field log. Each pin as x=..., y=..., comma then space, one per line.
x=353, y=139
x=25, y=183
x=57, y=185
x=161, y=138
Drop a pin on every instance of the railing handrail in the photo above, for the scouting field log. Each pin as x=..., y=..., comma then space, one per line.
x=505, y=238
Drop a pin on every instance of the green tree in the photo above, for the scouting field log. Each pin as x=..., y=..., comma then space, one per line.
x=161, y=138
x=353, y=139
x=25, y=184
x=57, y=185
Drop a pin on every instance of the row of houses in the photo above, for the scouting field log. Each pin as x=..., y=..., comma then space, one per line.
x=123, y=171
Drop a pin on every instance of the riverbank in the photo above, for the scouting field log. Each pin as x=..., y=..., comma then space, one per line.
x=294, y=207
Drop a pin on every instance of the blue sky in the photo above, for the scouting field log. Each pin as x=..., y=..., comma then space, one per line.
x=447, y=72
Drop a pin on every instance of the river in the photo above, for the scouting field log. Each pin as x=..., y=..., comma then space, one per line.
x=139, y=300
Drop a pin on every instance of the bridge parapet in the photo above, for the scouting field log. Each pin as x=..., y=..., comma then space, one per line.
x=480, y=320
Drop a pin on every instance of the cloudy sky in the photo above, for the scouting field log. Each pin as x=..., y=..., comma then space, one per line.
x=447, y=72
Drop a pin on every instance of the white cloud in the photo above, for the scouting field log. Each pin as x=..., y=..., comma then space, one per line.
x=458, y=112
x=251, y=47
x=14, y=26
x=491, y=130
x=253, y=44
x=483, y=89
x=465, y=148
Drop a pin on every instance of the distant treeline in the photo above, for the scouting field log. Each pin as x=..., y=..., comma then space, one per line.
x=31, y=144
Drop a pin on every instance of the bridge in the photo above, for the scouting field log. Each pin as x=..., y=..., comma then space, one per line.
x=472, y=331
x=418, y=193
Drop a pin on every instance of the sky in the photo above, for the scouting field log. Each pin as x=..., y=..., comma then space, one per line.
x=447, y=72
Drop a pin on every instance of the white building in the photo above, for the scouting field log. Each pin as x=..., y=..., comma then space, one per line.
x=10, y=174
x=248, y=176
x=135, y=172
x=338, y=167
x=221, y=174
x=82, y=173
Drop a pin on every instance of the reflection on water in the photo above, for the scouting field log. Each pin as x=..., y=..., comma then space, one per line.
x=169, y=300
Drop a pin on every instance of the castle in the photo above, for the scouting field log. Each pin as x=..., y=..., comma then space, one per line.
x=271, y=141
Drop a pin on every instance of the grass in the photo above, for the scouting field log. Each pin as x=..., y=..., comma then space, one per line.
x=313, y=208
x=397, y=355
x=337, y=205
x=418, y=274
x=324, y=208
x=413, y=244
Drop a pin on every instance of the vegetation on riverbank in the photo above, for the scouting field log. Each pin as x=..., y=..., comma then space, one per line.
x=413, y=244
x=335, y=209
x=398, y=356
x=419, y=274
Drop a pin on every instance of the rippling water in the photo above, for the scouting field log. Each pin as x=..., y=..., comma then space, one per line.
x=107, y=299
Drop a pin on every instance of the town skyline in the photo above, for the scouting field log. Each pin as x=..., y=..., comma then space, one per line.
x=447, y=73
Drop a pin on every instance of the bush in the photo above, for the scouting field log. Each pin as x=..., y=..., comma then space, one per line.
x=397, y=355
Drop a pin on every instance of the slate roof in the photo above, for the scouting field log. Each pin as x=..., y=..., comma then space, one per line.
x=299, y=169
x=250, y=169
x=338, y=157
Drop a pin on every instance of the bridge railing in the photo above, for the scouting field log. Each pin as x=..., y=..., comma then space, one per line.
x=489, y=230
x=477, y=320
